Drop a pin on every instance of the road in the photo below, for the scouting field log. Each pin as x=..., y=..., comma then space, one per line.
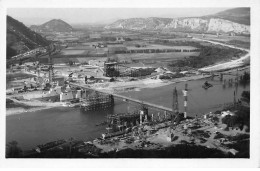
x=226, y=65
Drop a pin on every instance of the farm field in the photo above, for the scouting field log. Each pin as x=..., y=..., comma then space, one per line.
x=73, y=52
x=155, y=56
x=157, y=46
x=76, y=59
x=241, y=41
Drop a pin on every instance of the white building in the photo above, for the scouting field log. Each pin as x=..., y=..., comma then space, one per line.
x=66, y=96
x=225, y=113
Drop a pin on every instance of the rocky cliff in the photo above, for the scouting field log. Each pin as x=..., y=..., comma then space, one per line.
x=200, y=25
x=207, y=24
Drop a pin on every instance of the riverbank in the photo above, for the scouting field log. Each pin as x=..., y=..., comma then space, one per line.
x=242, y=61
x=204, y=140
x=118, y=87
x=19, y=110
x=23, y=106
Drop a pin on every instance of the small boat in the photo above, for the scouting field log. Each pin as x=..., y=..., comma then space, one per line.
x=206, y=85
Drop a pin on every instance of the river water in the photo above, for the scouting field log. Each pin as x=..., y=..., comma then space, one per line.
x=33, y=128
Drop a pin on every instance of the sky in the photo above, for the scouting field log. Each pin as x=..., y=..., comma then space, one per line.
x=36, y=16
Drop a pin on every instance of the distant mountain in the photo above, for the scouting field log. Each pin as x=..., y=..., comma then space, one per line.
x=237, y=15
x=55, y=25
x=20, y=38
x=233, y=20
x=151, y=23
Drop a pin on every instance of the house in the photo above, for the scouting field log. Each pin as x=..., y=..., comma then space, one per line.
x=225, y=113
x=184, y=72
x=120, y=39
x=233, y=151
x=232, y=34
x=206, y=116
x=161, y=70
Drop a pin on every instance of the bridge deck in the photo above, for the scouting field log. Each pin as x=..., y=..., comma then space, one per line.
x=127, y=99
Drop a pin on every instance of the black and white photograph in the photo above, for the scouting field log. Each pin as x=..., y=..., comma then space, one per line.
x=130, y=82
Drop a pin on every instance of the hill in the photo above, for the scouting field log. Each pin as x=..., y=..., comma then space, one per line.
x=20, y=38
x=237, y=15
x=234, y=20
x=141, y=23
x=55, y=25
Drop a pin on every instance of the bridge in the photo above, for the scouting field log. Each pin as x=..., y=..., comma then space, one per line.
x=125, y=98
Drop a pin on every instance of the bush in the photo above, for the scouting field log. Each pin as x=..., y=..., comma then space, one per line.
x=245, y=97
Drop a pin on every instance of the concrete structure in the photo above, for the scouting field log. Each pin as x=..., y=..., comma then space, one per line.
x=54, y=91
x=66, y=96
x=78, y=95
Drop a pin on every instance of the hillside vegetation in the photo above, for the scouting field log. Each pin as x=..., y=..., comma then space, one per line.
x=20, y=38
x=55, y=25
x=238, y=15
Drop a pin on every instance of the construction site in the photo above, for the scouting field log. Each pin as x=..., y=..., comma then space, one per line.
x=97, y=85
x=145, y=130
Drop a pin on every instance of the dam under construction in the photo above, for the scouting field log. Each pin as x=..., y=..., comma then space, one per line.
x=147, y=94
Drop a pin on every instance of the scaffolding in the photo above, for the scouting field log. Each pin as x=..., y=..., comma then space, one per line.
x=111, y=69
x=121, y=121
x=97, y=102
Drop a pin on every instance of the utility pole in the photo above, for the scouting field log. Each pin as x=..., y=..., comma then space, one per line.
x=185, y=91
x=236, y=82
x=175, y=106
x=234, y=97
x=50, y=65
x=70, y=144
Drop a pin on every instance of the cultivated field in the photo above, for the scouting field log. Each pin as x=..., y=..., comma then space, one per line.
x=157, y=46
x=241, y=41
x=76, y=59
x=155, y=56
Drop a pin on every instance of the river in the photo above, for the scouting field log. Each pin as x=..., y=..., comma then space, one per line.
x=33, y=128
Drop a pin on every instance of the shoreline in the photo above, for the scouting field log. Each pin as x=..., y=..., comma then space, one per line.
x=20, y=110
x=30, y=106
x=35, y=105
x=119, y=87
x=229, y=65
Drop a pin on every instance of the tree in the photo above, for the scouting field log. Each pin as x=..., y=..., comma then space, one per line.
x=71, y=63
x=20, y=62
x=70, y=145
x=245, y=96
x=12, y=150
x=215, y=119
x=245, y=78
